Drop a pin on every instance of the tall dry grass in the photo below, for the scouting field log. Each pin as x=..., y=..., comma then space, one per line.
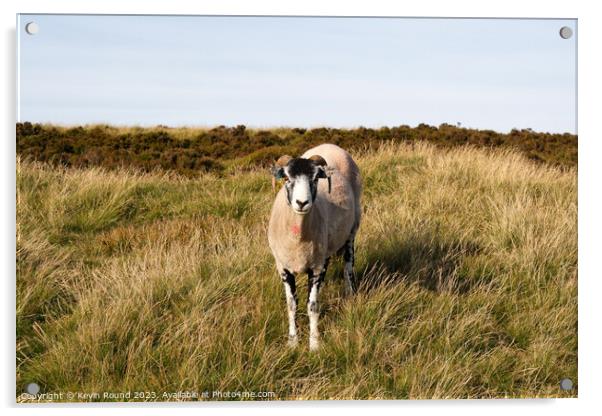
x=148, y=282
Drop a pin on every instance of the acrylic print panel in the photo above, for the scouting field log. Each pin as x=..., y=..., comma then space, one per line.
x=283, y=208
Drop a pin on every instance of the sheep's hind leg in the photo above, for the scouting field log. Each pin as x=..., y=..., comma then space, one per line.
x=349, y=257
x=288, y=280
x=315, y=279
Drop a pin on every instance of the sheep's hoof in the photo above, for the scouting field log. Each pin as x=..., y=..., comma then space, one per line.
x=293, y=341
x=314, y=344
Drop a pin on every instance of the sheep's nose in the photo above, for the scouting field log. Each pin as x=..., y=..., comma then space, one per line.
x=301, y=204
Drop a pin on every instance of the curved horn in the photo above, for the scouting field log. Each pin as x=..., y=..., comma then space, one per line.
x=277, y=169
x=318, y=160
x=283, y=160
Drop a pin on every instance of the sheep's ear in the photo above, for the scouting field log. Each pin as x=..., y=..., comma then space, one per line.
x=322, y=167
x=278, y=172
x=278, y=169
x=322, y=173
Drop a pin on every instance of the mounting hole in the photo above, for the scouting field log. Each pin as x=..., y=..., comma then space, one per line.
x=566, y=384
x=33, y=388
x=32, y=28
x=566, y=32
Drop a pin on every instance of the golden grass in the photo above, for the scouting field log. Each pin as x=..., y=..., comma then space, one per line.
x=150, y=282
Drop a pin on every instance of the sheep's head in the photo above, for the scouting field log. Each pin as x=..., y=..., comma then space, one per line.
x=301, y=180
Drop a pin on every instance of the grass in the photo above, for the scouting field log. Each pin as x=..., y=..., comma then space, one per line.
x=154, y=282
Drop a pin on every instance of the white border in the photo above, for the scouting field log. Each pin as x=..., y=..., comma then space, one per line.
x=590, y=125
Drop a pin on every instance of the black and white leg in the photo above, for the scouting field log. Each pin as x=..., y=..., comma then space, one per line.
x=349, y=257
x=315, y=279
x=290, y=289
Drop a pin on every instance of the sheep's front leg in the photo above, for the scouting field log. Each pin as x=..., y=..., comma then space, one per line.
x=288, y=280
x=349, y=257
x=315, y=279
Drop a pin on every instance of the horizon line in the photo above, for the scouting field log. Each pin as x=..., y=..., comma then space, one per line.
x=289, y=127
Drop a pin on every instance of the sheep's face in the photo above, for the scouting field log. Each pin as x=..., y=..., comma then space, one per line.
x=301, y=183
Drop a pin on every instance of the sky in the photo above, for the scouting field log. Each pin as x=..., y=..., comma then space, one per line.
x=494, y=74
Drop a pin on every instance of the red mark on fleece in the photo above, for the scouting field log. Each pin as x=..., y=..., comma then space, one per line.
x=295, y=229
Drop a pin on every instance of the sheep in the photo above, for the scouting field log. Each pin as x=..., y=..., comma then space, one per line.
x=311, y=220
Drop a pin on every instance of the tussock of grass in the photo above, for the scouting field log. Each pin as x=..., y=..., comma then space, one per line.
x=154, y=282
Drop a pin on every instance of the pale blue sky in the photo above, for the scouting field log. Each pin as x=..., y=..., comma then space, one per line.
x=291, y=71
